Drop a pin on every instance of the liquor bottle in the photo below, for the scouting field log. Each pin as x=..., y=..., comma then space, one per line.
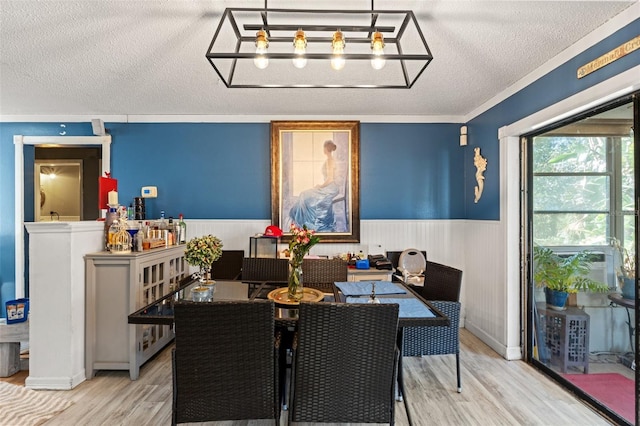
x=171, y=233
x=183, y=230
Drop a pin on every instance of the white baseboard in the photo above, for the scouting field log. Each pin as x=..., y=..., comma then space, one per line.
x=55, y=383
x=508, y=353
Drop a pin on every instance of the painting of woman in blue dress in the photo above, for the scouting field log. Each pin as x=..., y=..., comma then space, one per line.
x=315, y=177
x=314, y=206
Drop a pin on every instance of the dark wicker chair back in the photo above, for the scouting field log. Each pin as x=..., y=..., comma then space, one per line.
x=345, y=361
x=441, y=282
x=322, y=273
x=225, y=362
x=259, y=269
x=229, y=266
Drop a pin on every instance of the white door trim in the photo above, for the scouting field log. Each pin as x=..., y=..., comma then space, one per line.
x=20, y=141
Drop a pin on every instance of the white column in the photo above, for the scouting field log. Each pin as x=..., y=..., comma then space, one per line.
x=56, y=298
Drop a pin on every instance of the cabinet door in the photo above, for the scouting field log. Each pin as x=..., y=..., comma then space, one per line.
x=177, y=270
x=159, y=276
x=153, y=281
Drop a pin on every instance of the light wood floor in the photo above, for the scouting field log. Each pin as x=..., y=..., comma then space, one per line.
x=495, y=392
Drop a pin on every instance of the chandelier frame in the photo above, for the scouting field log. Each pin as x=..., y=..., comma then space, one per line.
x=317, y=33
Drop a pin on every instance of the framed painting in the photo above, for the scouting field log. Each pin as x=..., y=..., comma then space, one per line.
x=315, y=178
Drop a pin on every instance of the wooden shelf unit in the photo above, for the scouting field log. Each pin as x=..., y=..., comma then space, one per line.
x=117, y=285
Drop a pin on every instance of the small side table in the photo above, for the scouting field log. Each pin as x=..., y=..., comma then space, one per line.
x=628, y=304
x=263, y=247
x=566, y=336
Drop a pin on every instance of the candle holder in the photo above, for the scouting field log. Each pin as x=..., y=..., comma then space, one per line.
x=372, y=298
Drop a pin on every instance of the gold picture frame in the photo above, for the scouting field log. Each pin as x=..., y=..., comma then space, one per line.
x=315, y=178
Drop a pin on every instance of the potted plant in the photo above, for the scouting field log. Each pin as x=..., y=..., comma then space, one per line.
x=202, y=252
x=626, y=269
x=561, y=275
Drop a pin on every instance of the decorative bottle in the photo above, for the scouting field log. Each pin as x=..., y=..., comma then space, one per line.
x=140, y=237
x=111, y=216
x=183, y=230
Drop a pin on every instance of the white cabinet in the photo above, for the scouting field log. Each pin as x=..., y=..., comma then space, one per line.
x=116, y=286
x=369, y=274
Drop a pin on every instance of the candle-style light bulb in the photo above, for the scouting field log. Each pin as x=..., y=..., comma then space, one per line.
x=377, y=48
x=300, y=48
x=337, y=46
x=262, y=43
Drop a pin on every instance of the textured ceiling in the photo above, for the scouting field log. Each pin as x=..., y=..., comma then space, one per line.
x=118, y=57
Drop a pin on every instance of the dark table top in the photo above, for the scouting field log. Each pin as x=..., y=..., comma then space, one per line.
x=161, y=310
x=619, y=300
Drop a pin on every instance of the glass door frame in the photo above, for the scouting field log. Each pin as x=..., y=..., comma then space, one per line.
x=526, y=147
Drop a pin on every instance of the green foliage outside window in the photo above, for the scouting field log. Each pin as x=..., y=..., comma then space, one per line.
x=572, y=178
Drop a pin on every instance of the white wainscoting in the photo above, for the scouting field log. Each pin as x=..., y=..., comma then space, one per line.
x=487, y=290
x=475, y=247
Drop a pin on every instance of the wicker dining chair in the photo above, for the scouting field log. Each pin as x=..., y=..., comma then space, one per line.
x=344, y=363
x=229, y=266
x=442, y=288
x=259, y=270
x=322, y=273
x=225, y=361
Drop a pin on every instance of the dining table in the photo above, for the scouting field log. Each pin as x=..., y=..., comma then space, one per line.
x=414, y=311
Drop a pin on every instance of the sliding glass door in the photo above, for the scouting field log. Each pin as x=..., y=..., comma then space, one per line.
x=582, y=251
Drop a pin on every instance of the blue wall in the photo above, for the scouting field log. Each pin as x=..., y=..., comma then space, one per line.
x=411, y=171
x=203, y=170
x=223, y=171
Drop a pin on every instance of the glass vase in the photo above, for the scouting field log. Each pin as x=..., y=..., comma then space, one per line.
x=206, y=281
x=295, y=288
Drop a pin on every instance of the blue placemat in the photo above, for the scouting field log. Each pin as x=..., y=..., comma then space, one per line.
x=409, y=308
x=363, y=288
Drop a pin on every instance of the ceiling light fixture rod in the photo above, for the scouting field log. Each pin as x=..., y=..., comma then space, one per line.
x=232, y=69
x=264, y=24
x=422, y=39
x=405, y=72
x=290, y=55
x=303, y=12
x=374, y=19
x=305, y=28
x=360, y=40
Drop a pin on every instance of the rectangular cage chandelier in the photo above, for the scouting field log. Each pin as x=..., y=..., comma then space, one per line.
x=303, y=48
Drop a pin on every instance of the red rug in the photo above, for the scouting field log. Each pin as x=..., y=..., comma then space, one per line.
x=612, y=389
